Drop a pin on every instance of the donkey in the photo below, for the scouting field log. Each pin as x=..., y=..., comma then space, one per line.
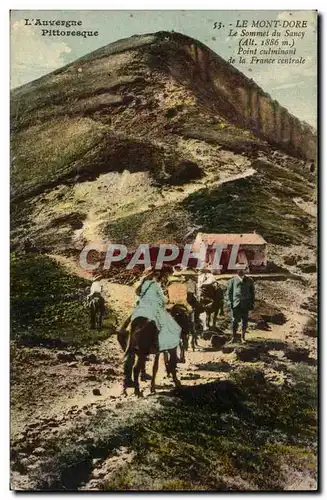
x=96, y=312
x=143, y=340
x=183, y=318
x=212, y=303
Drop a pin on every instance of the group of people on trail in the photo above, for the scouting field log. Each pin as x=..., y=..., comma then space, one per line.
x=154, y=329
x=239, y=298
x=151, y=304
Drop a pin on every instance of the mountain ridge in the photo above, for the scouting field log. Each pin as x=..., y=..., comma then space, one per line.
x=152, y=39
x=161, y=114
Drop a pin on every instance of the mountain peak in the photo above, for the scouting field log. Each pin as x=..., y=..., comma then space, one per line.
x=214, y=83
x=148, y=136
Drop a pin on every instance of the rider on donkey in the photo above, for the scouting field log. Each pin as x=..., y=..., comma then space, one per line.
x=150, y=304
x=96, y=291
x=123, y=335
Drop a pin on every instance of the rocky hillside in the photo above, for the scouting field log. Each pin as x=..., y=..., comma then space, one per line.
x=149, y=139
x=155, y=121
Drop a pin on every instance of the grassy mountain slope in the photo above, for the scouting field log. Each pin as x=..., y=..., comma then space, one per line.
x=130, y=145
x=47, y=305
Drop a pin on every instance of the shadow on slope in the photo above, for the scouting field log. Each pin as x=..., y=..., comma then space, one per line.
x=246, y=429
x=254, y=203
x=261, y=202
x=84, y=152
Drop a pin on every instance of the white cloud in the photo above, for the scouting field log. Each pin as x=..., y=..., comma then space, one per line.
x=33, y=55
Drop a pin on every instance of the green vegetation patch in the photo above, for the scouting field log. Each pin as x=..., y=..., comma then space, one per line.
x=164, y=223
x=250, y=204
x=45, y=153
x=47, y=304
x=261, y=202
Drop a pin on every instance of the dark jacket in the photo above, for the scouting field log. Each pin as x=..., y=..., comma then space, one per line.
x=240, y=293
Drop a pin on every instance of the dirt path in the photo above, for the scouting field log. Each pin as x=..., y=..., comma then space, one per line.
x=114, y=195
x=67, y=387
x=55, y=391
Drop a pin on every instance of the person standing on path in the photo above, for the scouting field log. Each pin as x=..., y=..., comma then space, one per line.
x=240, y=297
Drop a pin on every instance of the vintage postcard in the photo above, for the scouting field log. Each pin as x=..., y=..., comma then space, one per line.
x=164, y=250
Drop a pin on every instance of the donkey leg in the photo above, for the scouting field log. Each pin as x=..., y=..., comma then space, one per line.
x=221, y=308
x=129, y=360
x=193, y=341
x=144, y=375
x=182, y=351
x=214, y=318
x=208, y=319
x=185, y=341
x=136, y=373
x=100, y=320
x=92, y=319
x=154, y=373
x=173, y=366
x=166, y=359
x=185, y=344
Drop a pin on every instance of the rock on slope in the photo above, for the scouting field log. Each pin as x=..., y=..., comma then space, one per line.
x=154, y=121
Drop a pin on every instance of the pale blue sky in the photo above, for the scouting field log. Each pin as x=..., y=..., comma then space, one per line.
x=294, y=86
